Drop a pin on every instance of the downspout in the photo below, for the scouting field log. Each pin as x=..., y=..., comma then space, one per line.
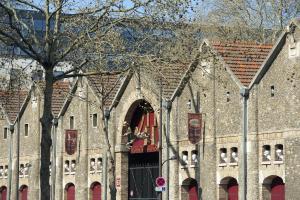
x=244, y=92
x=168, y=106
x=53, y=164
x=160, y=136
x=10, y=154
x=17, y=165
x=104, y=173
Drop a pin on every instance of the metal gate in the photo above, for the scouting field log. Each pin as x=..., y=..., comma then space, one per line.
x=143, y=170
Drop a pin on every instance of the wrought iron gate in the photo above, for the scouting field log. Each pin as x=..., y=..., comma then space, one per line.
x=143, y=170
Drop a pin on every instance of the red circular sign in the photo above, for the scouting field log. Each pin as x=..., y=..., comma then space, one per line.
x=160, y=181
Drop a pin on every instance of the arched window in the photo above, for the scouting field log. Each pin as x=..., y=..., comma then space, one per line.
x=189, y=189
x=273, y=188
x=228, y=189
x=23, y=192
x=70, y=191
x=3, y=192
x=96, y=191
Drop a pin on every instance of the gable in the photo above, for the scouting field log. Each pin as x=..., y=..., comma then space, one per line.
x=243, y=59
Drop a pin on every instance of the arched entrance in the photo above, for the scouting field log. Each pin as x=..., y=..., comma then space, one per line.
x=96, y=191
x=189, y=189
x=228, y=189
x=141, y=131
x=3, y=193
x=70, y=191
x=23, y=192
x=273, y=188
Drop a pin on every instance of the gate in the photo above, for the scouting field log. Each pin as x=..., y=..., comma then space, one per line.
x=143, y=170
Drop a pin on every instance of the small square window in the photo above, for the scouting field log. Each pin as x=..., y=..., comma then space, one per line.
x=95, y=120
x=279, y=152
x=184, y=157
x=194, y=157
x=227, y=96
x=234, y=155
x=71, y=122
x=21, y=170
x=92, y=164
x=73, y=166
x=26, y=129
x=67, y=166
x=272, y=91
x=223, y=155
x=5, y=133
x=266, y=154
x=99, y=164
x=6, y=171
x=1, y=171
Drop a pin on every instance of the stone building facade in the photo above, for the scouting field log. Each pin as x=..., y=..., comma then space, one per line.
x=246, y=94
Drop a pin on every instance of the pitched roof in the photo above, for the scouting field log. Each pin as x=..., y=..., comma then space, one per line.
x=9, y=100
x=170, y=73
x=171, y=78
x=244, y=59
x=60, y=93
x=106, y=86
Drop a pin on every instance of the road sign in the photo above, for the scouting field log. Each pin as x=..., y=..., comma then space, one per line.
x=160, y=189
x=160, y=181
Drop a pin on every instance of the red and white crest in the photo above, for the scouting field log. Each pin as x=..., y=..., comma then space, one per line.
x=195, y=127
x=71, y=141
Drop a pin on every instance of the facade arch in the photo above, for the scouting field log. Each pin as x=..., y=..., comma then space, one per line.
x=273, y=188
x=70, y=191
x=189, y=189
x=228, y=189
x=128, y=105
x=95, y=191
x=3, y=192
x=139, y=137
x=23, y=192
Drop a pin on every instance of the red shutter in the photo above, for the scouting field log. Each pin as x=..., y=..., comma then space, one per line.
x=71, y=192
x=193, y=193
x=233, y=191
x=3, y=192
x=277, y=189
x=96, y=191
x=24, y=192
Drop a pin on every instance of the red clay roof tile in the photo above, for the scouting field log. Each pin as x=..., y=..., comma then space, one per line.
x=244, y=59
x=61, y=91
x=10, y=100
x=106, y=86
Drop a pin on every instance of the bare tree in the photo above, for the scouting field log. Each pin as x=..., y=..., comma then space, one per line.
x=256, y=20
x=83, y=33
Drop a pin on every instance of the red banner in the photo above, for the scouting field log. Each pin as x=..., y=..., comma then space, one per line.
x=71, y=141
x=195, y=127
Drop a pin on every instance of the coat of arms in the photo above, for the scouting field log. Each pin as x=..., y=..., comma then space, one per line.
x=195, y=126
x=71, y=141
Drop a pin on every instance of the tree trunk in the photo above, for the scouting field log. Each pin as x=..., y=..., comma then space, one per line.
x=110, y=160
x=112, y=178
x=46, y=122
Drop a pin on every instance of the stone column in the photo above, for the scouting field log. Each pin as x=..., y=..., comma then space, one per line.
x=34, y=163
x=253, y=147
x=14, y=168
x=59, y=188
x=174, y=186
x=121, y=157
x=34, y=178
x=81, y=180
